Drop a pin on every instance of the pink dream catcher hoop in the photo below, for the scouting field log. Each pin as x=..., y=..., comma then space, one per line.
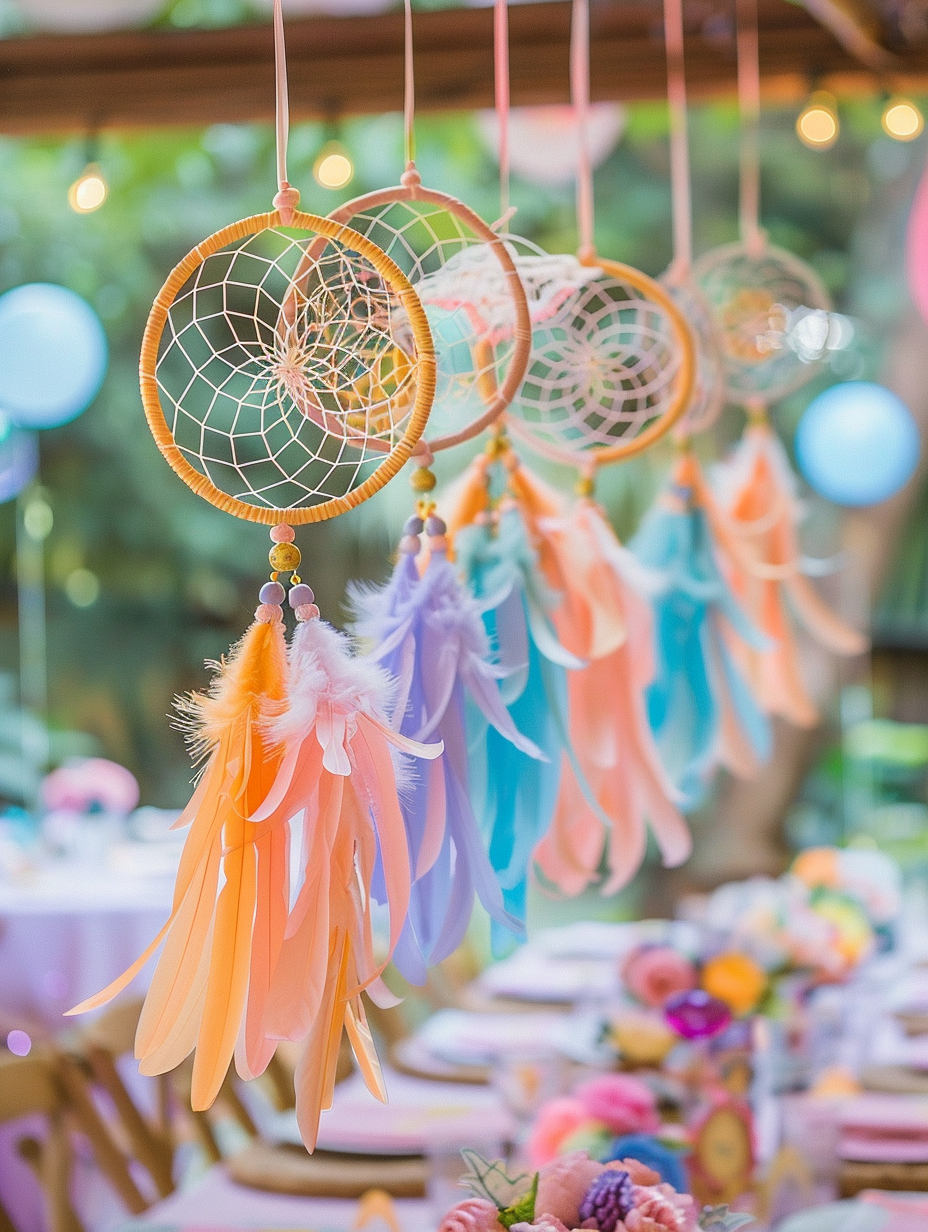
x=466, y=281
x=771, y=309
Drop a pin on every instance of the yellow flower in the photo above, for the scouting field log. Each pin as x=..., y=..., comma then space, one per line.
x=735, y=979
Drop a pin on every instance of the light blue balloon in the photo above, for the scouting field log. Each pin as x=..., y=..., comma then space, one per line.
x=857, y=444
x=53, y=355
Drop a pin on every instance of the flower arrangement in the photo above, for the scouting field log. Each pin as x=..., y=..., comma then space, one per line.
x=574, y=1192
x=609, y=1117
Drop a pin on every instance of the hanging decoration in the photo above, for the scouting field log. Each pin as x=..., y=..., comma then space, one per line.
x=757, y=494
x=287, y=373
x=772, y=316
x=423, y=625
x=700, y=707
x=771, y=309
x=857, y=444
x=611, y=372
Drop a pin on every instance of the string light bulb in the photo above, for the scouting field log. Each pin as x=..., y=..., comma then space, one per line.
x=333, y=167
x=902, y=120
x=89, y=190
x=817, y=126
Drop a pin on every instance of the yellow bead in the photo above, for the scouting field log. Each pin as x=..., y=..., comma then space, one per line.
x=284, y=557
x=585, y=486
x=422, y=479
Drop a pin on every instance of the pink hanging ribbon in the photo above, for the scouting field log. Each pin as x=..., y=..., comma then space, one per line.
x=580, y=97
x=501, y=91
x=287, y=198
x=409, y=90
x=680, y=187
x=749, y=108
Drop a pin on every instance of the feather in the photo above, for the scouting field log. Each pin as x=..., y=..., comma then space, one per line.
x=514, y=794
x=428, y=633
x=758, y=499
x=700, y=708
x=607, y=623
x=215, y=960
x=338, y=782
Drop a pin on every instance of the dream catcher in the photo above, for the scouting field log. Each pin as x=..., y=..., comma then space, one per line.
x=772, y=317
x=423, y=626
x=287, y=373
x=699, y=705
x=611, y=371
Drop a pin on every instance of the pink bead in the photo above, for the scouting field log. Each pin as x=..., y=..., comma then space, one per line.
x=271, y=592
x=438, y=543
x=283, y=533
x=300, y=595
x=307, y=611
x=268, y=613
x=409, y=545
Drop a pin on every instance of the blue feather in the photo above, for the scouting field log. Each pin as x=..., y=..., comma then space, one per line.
x=695, y=673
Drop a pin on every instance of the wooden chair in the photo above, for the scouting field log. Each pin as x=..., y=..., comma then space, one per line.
x=48, y=1085
x=152, y=1141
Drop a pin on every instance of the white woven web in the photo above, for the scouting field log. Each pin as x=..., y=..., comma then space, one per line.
x=286, y=370
x=757, y=302
x=461, y=285
x=604, y=363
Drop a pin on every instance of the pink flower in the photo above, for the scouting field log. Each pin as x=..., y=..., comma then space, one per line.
x=554, y=1124
x=474, y=1215
x=664, y=1207
x=562, y=1186
x=544, y=1223
x=653, y=973
x=623, y=1103
x=88, y=784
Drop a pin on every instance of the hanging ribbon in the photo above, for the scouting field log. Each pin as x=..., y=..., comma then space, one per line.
x=501, y=94
x=749, y=111
x=409, y=90
x=580, y=98
x=287, y=198
x=680, y=189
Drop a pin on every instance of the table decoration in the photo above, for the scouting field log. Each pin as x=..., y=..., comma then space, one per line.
x=575, y=1191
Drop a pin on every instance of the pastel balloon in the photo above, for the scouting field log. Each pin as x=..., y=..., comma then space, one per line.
x=857, y=444
x=53, y=355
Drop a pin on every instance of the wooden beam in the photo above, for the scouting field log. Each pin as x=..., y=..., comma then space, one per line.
x=354, y=65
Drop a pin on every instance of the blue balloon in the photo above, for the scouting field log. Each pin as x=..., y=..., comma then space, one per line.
x=857, y=444
x=53, y=355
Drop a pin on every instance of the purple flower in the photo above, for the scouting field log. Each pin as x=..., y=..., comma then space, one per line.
x=608, y=1200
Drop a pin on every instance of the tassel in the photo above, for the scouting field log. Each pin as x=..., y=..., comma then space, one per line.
x=427, y=631
x=605, y=620
x=766, y=570
x=338, y=778
x=219, y=943
x=700, y=707
x=514, y=794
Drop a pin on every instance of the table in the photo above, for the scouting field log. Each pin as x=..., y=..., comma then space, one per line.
x=67, y=932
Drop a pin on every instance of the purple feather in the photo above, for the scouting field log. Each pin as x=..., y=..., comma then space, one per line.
x=429, y=634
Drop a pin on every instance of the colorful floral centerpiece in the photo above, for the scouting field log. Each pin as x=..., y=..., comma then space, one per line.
x=608, y=1117
x=574, y=1192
